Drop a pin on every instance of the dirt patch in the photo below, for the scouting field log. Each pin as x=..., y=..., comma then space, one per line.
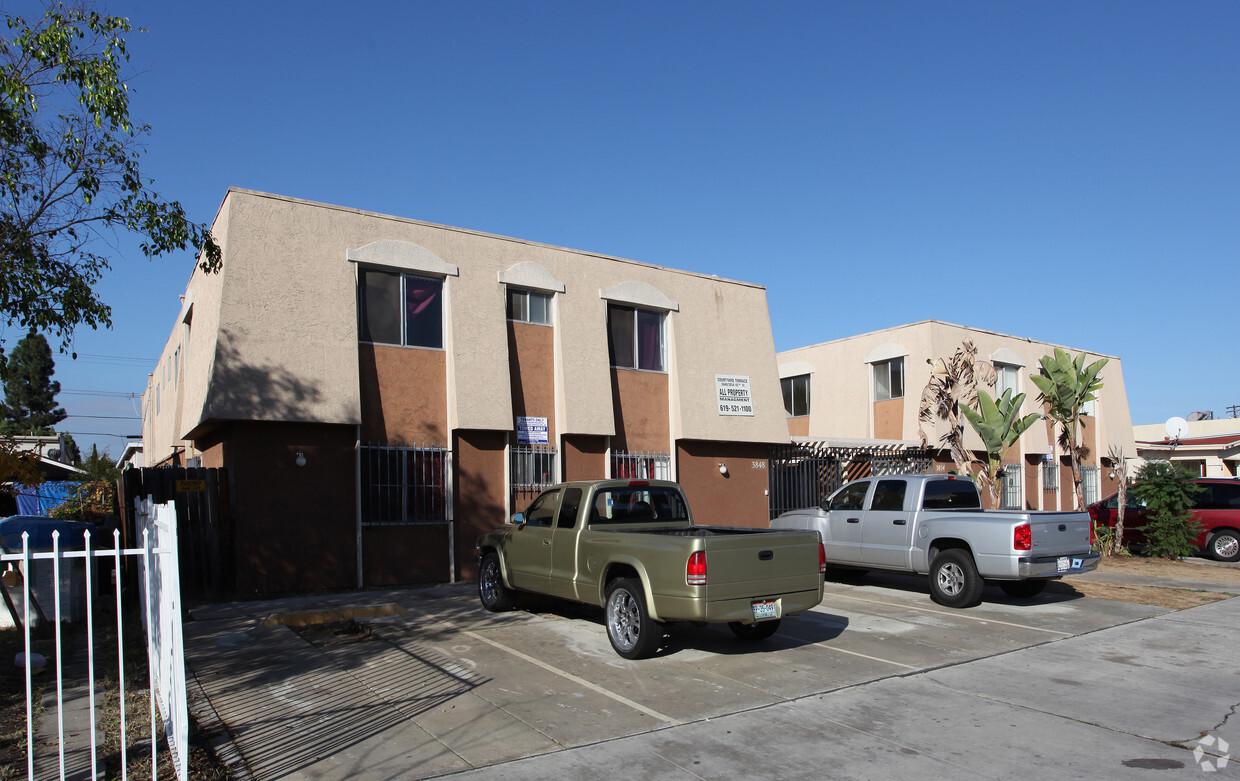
x=1173, y=598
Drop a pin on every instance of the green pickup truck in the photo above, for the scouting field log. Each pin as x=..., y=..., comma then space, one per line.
x=631, y=547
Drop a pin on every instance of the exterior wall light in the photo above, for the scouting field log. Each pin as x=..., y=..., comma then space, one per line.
x=723, y=469
x=301, y=458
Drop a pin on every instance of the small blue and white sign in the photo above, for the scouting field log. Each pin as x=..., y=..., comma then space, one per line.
x=531, y=431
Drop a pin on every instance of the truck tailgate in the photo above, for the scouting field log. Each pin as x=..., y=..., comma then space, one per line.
x=1059, y=534
x=761, y=563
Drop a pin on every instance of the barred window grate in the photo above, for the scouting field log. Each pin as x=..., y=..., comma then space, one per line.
x=1050, y=476
x=641, y=466
x=404, y=485
x=1089, y=484
x=531, y=470
x=1012, y=497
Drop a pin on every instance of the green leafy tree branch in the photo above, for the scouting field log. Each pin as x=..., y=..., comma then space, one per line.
x=70, y=170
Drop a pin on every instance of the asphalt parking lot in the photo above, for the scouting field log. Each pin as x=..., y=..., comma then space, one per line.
x=424, y=683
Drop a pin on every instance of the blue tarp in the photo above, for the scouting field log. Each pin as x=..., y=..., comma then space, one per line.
x=41, y=499
x=40, y=528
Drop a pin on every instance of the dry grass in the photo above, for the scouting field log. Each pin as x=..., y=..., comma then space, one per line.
x=1159, y=596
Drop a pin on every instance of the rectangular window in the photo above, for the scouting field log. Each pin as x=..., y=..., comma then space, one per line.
x=635, y=338
x=531, y=470
x=889, y=379
x=1089, y=484
x=1050, y=475
x=404, y=485
x=529, y=306
x=1008, y=379
x=641, y=466
x=1010, y=488
x=796, y=395
x=402, y=309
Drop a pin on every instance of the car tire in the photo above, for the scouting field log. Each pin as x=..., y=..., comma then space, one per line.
x=954, y=581
x=1023, y=589
x=1224, y=545
x=758, y=630
x=494, y=595
x=631, y=630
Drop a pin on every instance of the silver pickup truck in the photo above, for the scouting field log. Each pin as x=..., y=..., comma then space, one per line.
x=935, y=525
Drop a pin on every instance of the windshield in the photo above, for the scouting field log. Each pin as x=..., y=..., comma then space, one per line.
x=638, y=504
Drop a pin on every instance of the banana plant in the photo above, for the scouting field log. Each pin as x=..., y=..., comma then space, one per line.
x=999, y=424
x=1067, y=385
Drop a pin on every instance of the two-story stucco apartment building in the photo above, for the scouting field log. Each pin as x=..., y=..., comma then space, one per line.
x=868, y=388
x=382, y=390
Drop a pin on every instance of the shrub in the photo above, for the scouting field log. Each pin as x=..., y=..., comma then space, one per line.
x=1167, y=492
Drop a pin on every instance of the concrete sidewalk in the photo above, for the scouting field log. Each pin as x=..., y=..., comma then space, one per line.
x=452, y=690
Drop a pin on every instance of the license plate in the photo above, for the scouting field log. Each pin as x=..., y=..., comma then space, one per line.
x=764, y=609
x=1064, y=564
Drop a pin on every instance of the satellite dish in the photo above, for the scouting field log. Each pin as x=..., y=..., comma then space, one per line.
x=1176, y=428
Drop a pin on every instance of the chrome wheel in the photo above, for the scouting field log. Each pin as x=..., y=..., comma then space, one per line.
x=951, y=579
x=492, y=592
x=633, y=634
x=623, y=620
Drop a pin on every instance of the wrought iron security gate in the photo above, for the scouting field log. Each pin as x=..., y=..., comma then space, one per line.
x=805, y=473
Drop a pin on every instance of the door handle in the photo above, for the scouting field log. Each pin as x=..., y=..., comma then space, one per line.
x=900, y=522
x=854, y=520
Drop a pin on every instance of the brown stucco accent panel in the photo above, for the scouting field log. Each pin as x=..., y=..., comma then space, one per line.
x=405, y=555
x=404, y=394
x=1033, y=492
x=798, y=427
x=531, y=356
x=295, y=526
x=889, y=419
x=479, y=493
x=585, y=457
x=736, y=499
x=640, y=403
x=1088, y=438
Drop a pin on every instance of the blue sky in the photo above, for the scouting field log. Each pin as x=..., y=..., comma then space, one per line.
x=1066, y=172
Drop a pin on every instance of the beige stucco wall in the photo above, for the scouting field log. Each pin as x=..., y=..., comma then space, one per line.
x=274, y=336
x=841, y=392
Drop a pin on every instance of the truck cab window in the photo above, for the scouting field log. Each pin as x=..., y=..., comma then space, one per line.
x=542, y=510
x=851, y=497
x=889, y=495
x=568, y=508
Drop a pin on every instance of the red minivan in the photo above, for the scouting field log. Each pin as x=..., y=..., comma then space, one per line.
x=1217, y=510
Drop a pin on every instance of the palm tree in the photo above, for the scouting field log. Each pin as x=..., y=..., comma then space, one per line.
x=953, y=385
x=1067, y=385
x=999, y=426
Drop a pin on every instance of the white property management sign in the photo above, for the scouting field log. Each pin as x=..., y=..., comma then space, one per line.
x=733, y=392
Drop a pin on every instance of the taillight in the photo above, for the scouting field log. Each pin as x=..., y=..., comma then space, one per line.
x=822, y=559
x=695, y=569
x=1022, y=538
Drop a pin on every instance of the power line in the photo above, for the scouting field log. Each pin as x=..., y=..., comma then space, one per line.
x=112, y=394
x=106, y=417
x=115, y=360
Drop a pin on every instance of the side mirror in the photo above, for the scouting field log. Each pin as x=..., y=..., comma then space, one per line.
x=518, y=519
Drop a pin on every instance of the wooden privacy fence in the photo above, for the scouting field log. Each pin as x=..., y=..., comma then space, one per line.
x=206, y=531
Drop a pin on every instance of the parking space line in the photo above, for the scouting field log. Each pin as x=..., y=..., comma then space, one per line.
x=575, y=679
x=871, y=658
x=954, y=614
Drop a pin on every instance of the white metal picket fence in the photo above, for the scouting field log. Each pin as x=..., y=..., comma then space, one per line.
x=160, y=605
